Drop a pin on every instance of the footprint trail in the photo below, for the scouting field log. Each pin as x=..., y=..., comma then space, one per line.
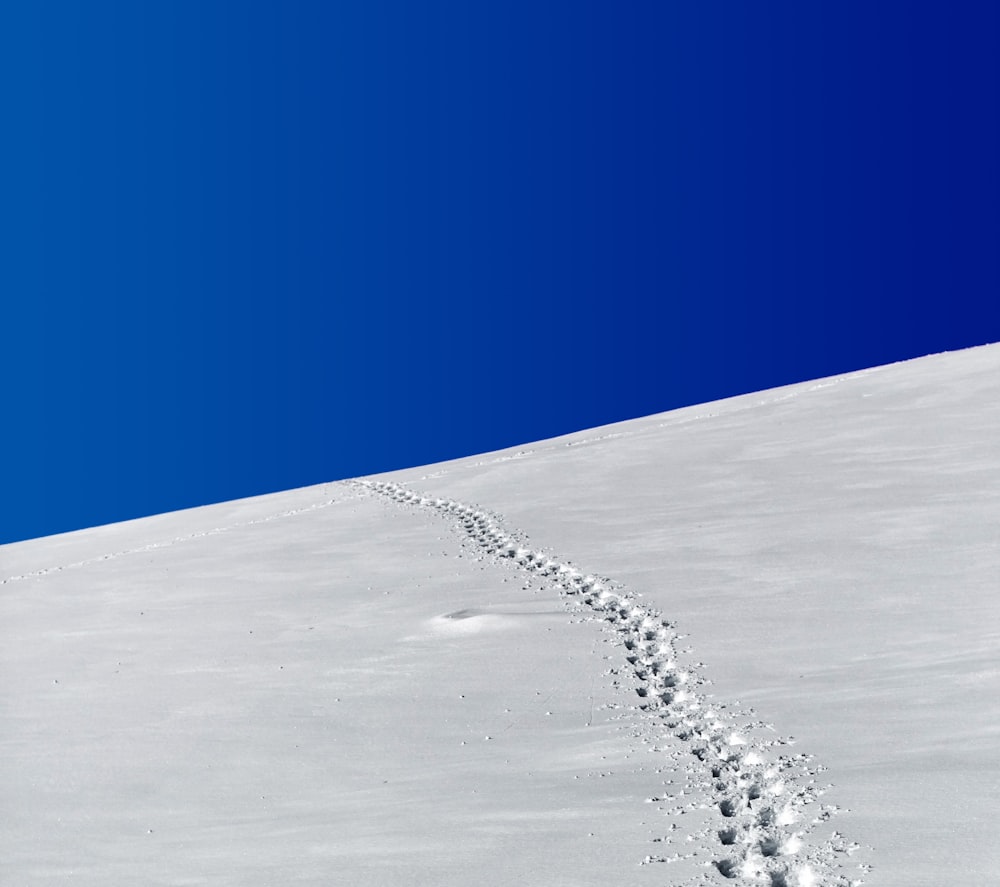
x=761, y=801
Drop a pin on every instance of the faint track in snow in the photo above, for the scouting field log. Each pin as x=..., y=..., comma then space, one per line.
x=762, y=799
x=166, y=543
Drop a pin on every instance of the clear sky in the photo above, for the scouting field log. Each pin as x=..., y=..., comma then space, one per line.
x=255, y=245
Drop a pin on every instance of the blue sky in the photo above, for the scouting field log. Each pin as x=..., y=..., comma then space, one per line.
x=252, y=246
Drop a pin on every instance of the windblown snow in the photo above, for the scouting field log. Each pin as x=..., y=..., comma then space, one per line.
x=752, y=643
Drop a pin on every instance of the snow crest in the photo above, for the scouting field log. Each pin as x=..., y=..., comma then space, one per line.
x=762, y=801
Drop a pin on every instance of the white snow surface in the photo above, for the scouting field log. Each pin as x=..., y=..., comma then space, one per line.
x=754, y=642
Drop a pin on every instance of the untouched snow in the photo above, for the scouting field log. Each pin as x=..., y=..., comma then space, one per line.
x=581, y=662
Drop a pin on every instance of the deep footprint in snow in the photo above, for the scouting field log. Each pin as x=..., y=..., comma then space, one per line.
x=761, y=796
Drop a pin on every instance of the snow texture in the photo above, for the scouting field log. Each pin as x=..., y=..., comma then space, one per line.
x=755, y=643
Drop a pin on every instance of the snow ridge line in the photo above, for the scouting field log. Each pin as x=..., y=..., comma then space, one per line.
x=760, y=836
x=167, y=543
x=548, y=445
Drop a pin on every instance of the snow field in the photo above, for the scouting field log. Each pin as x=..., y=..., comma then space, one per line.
x=320, y=687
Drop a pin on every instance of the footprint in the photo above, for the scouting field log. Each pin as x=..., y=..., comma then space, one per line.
x=737, y=771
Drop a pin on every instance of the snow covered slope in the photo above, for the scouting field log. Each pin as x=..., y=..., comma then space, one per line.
x=751, y=642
